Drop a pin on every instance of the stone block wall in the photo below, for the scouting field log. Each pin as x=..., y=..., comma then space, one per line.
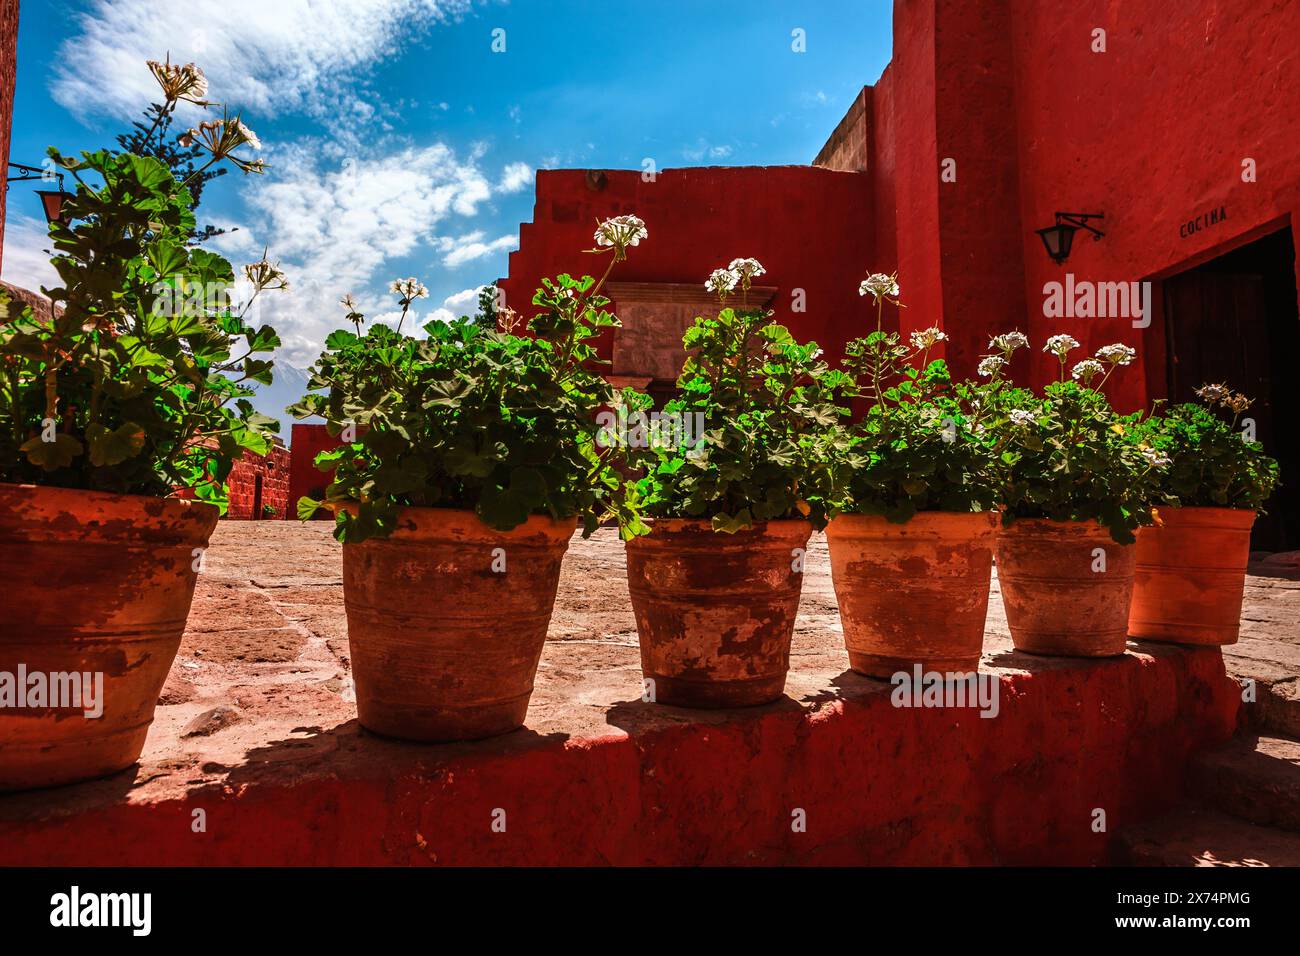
x=259, y=486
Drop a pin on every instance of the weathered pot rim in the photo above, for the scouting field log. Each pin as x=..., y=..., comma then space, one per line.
x=434, y=522
x=1052, y=524
x=30, y=507
x=775, y=528
x=1206, y=516
x=923, y=522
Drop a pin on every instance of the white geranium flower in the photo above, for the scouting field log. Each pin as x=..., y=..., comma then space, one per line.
x=1213, y=393
x=180, y=82
x=1060, y=345
x=1237, y=402
x=1087, y=370
x=1117, y=354
x=879, y=286
x=246, y=134
x=990, y=365
x=927, y=339
x=408, y=290
x=1020, y=416
x=619, y=233
x=1008, y=342
x=747, y=270
x=265, y=275
x=1155, y=457
x=721, y=282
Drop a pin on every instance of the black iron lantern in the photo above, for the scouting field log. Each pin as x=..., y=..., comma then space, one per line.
x=1058, y=239
x=52, y=200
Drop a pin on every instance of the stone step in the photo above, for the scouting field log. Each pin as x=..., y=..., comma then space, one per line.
x=1200, y=837
x=1276, y=709
x=1256, y=778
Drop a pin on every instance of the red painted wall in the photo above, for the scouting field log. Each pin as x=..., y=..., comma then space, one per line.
x=1151, y=132
x=880, y=786
x=309, y=440
x=8, y=72
x=807, y=225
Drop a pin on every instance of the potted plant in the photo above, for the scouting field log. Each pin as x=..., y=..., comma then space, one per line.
x=1075, y=488
x=120, y=417
x=1191, y=564
x=911, y=537
x=715, y=584
x=467, y=459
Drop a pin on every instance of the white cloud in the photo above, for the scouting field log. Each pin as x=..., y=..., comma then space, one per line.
x=335, y=228
x=515, y=178
x=26, y=262
x=469, y=247
x=704, y=149
x=466, y=297
x=267, y=56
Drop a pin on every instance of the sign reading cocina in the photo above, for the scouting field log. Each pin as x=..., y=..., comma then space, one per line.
x=1202, y=221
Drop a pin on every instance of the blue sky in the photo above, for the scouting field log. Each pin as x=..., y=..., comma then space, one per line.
x=401, y=144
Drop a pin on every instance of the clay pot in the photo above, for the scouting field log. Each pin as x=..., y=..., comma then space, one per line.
x=1191, y=574
x=97, y=584
x=446, y=622
x=715, y=612
x=913, y=593
x=1056, y=602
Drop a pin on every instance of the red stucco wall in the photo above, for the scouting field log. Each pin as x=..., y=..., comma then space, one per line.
x=8, y=71
x=309, y=440
x=807, y=225
x=1151, y=133
x=879, y=785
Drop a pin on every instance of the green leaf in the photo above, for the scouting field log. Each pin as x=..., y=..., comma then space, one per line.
x=114, y=446
x=52, y=455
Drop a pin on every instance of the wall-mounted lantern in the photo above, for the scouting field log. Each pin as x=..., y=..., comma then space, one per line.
x=1059, y=238
x=52, y=200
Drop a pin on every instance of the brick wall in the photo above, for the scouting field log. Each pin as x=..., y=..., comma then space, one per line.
x=243, y=485
x=8, y=70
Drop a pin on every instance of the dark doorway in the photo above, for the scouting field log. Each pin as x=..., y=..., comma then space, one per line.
x=1233, y=319
x=257, y=498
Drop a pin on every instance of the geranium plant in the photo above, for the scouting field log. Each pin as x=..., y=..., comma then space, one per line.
x=470, y=417
x=1066, y=455
x=1212, y=463
x=920, y=445
x=139, y=382
x=767, y=402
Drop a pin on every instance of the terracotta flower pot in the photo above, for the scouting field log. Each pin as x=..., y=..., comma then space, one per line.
x=1057, y=598
x=97, y=584
x=1191, y=574
x=446, y=622
x=715, y=612
x=912, y=593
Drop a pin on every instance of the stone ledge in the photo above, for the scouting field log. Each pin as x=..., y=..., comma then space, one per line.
x=600, y=777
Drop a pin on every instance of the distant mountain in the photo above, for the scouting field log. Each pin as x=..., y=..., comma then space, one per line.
x=288, y=386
